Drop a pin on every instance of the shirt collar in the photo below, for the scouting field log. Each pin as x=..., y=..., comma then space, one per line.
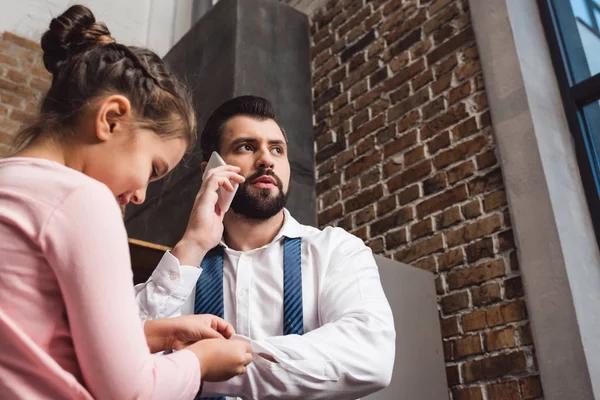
x=291, y=228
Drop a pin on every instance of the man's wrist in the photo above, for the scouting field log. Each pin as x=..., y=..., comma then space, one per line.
x=189, y=252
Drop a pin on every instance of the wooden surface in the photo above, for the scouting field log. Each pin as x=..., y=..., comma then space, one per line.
x=144, y=258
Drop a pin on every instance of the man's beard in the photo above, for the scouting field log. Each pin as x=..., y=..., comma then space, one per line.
x=262, y=205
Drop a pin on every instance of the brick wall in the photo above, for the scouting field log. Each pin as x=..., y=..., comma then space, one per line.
x=23, y=82
x=406, y=161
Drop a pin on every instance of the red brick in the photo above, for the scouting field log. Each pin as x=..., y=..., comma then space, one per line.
x=487, y=159
x=363, y=199
x=441, y=83
x=467, y=393
x=435, y=184
x=505, y=313
x=494, y=367
x=449, y=327
x=531, y=387
x=327, y=216
x=415, y=155
x=366, y=145
x=468, y=345
x=420, y=249
x=464, y=129
x=488, y=182
x=392, y=166
x=472, y=209
x=370, y=178
x=443, y=121
x=449, y=217
x=450, y=258
x=386, y=205
x=403, y=142
x=376, y=245
x=525, y=336
x=394, y=220
x=330, y=199
x=464, y=37
x=433, y=109
x=368, y=98
x=422, y=79
x=454, y=302
x=475, y=230
x=421, y=228
x=408, y=195
x=508, y=390
x=480, y=249
x=513, y=288
x=370, y=127
x=411, y=175
x=362, y=164
x=8, y=60
x=365, y=215
x=442, y=19
x=406, y=103
x=459, y=278
x=446, y=66
x=404, y=75
x=460, y=152
x=427, y=264
x=486, y=294
x=442, y=201
x=452, y=376
x=499, y=339
x=494, y=200
x=461, y=172
x=468, y=69
x=459, y=93
x=20, y=41
x=395, y=239
x=474, y=321
x=420, y=48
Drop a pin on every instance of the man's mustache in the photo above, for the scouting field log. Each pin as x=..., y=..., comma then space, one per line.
x=264, y=172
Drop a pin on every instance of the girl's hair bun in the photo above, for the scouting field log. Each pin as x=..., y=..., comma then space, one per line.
x=73, y=32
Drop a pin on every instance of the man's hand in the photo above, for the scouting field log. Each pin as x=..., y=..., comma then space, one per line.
x=205, y=226
x=180, y=332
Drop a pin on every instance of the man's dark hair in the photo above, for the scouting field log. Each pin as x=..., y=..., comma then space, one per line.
x=251, y=106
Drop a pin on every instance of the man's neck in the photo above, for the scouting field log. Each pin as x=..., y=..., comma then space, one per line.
x=245, y=234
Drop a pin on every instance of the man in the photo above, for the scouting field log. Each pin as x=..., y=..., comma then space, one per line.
x=343, y=346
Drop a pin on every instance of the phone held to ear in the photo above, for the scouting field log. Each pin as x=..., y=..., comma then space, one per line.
x=225, y=197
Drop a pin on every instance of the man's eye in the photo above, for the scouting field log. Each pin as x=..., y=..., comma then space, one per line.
x=245, y=147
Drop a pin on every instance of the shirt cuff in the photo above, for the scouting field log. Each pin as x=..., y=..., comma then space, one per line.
x=179, y=280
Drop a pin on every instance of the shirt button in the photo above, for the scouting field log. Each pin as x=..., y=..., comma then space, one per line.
x=173, y=276
x=242, y=293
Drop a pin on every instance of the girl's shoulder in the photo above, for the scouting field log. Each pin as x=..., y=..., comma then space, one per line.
x=43, y=182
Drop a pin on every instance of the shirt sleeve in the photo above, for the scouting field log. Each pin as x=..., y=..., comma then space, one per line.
x=86, y=245
x=166, y=293
x=349, y=356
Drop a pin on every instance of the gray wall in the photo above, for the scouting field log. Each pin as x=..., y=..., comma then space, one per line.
x=557, y=249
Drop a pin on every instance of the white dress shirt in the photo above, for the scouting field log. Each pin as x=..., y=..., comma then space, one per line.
x=348, y=348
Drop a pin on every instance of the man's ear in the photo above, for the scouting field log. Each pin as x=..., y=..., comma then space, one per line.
x=112, y=112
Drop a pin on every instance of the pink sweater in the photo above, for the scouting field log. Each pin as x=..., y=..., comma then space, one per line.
x=69, y=324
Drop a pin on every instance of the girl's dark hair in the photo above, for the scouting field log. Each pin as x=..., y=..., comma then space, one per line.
x=86, y=63
x=255, y=107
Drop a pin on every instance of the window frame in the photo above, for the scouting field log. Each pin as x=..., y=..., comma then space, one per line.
x=578, y=89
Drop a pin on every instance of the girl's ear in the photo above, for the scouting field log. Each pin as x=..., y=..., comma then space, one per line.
x=111, y=115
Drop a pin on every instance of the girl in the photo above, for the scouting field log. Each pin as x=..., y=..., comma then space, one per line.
x=113, y=120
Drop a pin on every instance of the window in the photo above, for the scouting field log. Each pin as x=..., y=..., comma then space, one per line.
x=573, y=32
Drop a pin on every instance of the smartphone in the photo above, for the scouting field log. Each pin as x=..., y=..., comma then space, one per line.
x=225, y=197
